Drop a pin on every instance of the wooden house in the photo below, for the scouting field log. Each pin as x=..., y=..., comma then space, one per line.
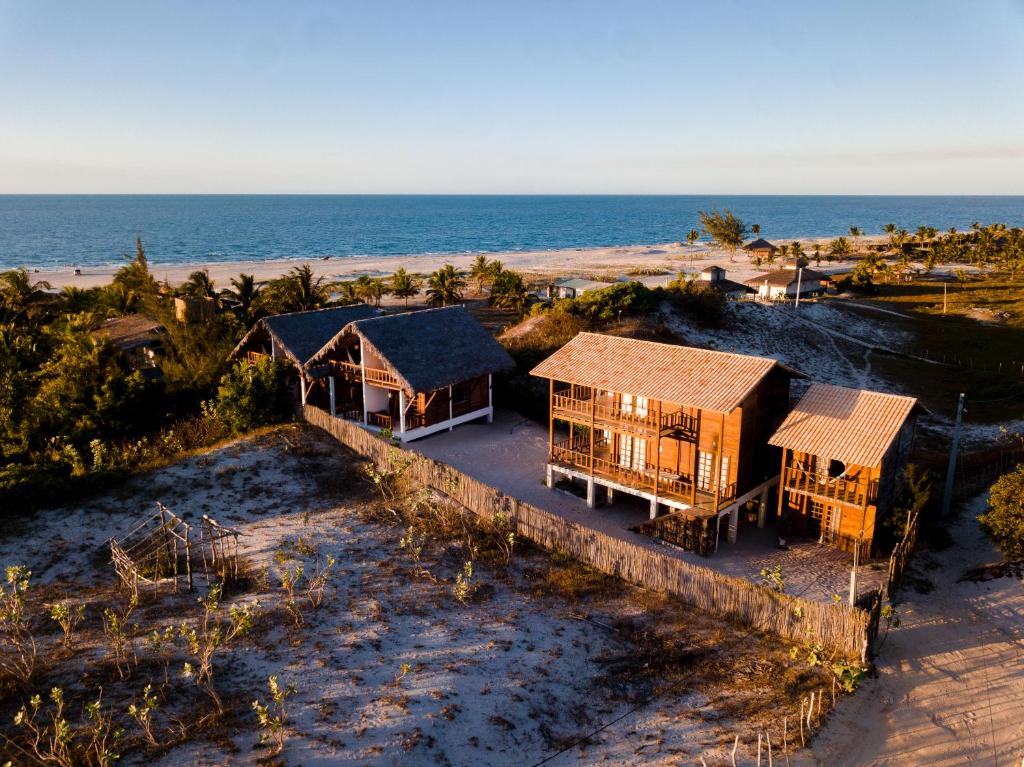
x=715, y=276
x=414, y=373
x=786, y=284
x=295, y=337
x=191, y=309
x=843, y=453
x=761, y=248
x=574, y=287
x=681, y=427
x=140, y=340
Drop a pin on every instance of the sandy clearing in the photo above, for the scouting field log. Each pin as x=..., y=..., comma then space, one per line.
x=950, y=690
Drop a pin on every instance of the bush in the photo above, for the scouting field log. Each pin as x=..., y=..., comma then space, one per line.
x=254, y=394
x=698, y=300
x=621, y=299
x=1004, y=520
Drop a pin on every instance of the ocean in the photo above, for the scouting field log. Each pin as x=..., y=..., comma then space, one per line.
x=45, y=231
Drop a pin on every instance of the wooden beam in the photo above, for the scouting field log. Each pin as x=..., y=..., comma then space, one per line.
x=717, y=467
x=782, y=480
x=657, y=457
x=593, y=405
x=551, y=419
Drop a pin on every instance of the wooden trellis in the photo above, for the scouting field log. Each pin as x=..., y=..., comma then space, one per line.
x=219, y=546
x=150, y=553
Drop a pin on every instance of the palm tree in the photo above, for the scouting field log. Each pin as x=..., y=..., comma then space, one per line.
x=855, y=232
x=243, y=291
x=693, y=235
x=371, y=289
x=839, y=247
x=445, y=286
x=481, y=272
x=199, y=285
x=75, y=300
x=18, y=292
x=509, y=292
x=403, y=285
x=301, y=291
x=755, y=229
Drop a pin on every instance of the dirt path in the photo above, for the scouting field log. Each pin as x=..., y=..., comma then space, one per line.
x=950, y=690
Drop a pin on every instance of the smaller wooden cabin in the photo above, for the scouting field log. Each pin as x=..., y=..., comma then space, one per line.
x=715, y=276
x=843, y=453
x=761, y=248
x=414, y=373
x=297, y=336
x=786, y=284
x=574, y=287
x=684, y=428
x=140, y=340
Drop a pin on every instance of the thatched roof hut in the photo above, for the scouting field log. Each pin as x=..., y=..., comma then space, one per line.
x=300, y=335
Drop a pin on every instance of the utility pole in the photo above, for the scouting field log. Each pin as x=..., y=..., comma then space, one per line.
x=799, y=279
x=947, y=496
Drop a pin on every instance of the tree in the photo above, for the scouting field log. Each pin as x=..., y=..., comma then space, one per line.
x=254, y=394
x=135, y=277
x=855, y=232
x=839, y=248
x=723, y=228
x=481, y=272
x=692, y=236
x=755, y=229
x=298, y=291
x=199, y=285
x=371, y=289
x=18, y=293
x=403, y=285
x=445, y=286
x=243, y=292
x=1004, y=520
x=509, y=291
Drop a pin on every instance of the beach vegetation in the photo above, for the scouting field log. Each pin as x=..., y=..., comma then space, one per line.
x=509, y=291
x=403, y=285
x=698, y=300
x=134, y=278
x=692, y=236
x=1004, y=519
x=242, y=295
x=482, y=271
x=199, y=285
x=299, y=290
x=371, y=289
x=445, y=286
x=840, y=248
x=254, y=394
x=724, y=228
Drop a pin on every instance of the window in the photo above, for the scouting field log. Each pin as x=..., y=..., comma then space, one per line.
x=705, y=462
x=460, y=393
x=632, y=452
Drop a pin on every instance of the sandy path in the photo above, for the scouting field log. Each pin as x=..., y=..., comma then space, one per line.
x=950, y=690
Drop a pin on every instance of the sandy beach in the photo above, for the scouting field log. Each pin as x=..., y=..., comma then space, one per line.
x=603, y=262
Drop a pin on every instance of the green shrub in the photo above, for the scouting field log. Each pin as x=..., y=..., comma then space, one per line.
x=1004, y=520
x=622, y=299
x=698, y=300
x=254, y=394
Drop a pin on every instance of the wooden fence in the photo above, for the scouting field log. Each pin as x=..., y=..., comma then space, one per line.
x=841, y=628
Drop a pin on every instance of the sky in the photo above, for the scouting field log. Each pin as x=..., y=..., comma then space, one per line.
x=732, y=96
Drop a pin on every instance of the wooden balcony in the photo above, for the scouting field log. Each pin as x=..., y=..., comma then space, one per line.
x=669, y=484
x=374, y=376
x=607, y=411
x=850, y=492
x=254, y=357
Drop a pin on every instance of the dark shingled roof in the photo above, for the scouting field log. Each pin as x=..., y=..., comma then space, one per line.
x=130, y=331
x=433, y=348
x=784, y=277
x=303, y=334
x=760, y=244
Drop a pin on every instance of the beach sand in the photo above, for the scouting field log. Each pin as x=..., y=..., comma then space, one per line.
x=605, y=262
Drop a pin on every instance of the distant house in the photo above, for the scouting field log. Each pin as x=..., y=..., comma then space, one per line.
x=761, y=247
x=843, y=452
x=715, y=277
x=574, y=287
x=414, y=373
x=684, y=428
x=189, y=309
x=788, y=283
x=139, y=338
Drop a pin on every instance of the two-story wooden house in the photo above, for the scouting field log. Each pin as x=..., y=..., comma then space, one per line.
x=843, y=452
x=414, y=373
x=681, y=427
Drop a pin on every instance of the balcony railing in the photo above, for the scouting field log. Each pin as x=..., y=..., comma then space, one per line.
x=639, y=477
x=608, y=410
x=374, y=376
x=254, y=357
x=836, y=489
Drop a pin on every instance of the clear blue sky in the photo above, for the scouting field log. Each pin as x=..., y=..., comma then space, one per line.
x=517, y=97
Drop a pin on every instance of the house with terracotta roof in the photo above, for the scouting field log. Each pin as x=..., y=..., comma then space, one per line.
x=414, y=373
x=843, y=451
x=686, y=429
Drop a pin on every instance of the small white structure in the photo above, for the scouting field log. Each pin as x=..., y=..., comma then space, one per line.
x=715, y=277
x=574, y=287
x=788, y=283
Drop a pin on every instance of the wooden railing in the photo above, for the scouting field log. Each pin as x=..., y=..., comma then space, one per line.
x=375, y=376
x=684, y=530
x=254, y=357
x=641, y=478
x=607, y=410
x=835, y=489
x=382, y=420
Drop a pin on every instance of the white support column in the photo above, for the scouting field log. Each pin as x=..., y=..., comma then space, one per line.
x=362, y=375
x=490, y=400
x=401, y=411
x=654, y=508
x=451, y=411
x=734, y=522
x=610, y=496
x=591, y=493
x=330, y=391
x=302, y=387
x=762, y=507
x=549, y=480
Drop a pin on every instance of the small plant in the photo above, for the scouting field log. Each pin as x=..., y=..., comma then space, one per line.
x=403, y=671
x=290, y=577
x=67, y=617
x=17, y=645
x=505, y=534
x=464, y=587
x=848, y=675
x=273, y=718
x=837, y=599
x=771, y=577
x=116, y=629
x=162, y=645
x=55, y=741
x=142, y=713
x=211, y=635
x=316, y=584
x=815, y=655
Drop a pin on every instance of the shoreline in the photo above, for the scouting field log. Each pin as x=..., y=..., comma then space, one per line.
x=612, y=260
